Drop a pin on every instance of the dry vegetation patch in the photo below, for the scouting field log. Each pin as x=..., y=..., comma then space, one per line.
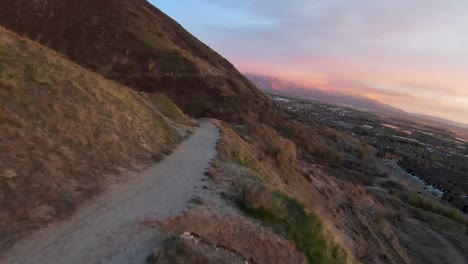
x=338, y=212
x=168, y=108
x=265, y=195
x=288, y=217
x=419, y=201
x=63, y=131
x=237, y=234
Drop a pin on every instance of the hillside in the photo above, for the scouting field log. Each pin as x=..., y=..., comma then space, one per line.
x=133, y=42
x=283, y=186
x=271, y=84
x=65, y=133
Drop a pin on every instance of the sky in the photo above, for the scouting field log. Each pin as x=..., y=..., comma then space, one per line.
x=409, y=54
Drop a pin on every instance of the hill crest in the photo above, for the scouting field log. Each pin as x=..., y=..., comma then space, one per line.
x=133, y=42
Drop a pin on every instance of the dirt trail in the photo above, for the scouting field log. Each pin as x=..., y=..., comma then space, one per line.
x=428, y=245
x=110, y=230
x=450, y=252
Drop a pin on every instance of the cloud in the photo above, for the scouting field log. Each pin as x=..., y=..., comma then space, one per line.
x=414, y=51
x=360, y=22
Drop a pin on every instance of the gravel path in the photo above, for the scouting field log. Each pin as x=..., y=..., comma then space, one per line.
x=110, y=230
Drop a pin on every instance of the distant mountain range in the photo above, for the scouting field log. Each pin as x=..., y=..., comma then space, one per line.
x=441, y=121
x=275, y=85
x=271, y=84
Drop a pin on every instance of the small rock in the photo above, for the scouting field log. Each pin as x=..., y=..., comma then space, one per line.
x=43, y=211
x=246, y=138
x=9, y=174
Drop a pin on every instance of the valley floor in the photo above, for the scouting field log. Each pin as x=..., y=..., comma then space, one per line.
x=112, y=229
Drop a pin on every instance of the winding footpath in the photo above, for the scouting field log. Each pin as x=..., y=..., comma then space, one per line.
x=110, y=230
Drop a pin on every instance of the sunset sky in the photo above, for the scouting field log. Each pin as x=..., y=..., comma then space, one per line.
x=410, y=54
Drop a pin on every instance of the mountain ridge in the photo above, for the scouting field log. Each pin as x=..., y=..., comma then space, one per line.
x=441, y=120
x=136, y=44
x=272, y=84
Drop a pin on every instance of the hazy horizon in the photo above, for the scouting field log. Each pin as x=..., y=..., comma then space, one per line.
x=411, y=55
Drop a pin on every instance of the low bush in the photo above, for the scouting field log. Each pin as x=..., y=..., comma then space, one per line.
x=393, y=185
x=332, y=156
x=246, y=160
x=288, y=218
x=419, y=201
x=176, y=250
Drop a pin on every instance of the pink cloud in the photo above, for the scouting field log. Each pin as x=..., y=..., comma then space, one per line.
x=412, y=54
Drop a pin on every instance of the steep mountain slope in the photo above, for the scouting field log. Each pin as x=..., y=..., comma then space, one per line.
x=271, y=84
x=133, y=42
x=63, y=132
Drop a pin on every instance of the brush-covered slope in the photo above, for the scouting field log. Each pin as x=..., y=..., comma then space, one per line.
x=133, y=42
x=62, y=130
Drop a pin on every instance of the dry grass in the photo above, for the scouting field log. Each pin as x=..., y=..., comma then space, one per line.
x=265, y=152
x=288, y=218
x=236, y=234
x=176, y=250
x=419, y=201
x=348, y=215
x=273, y=158
x=232, y=148
x=62, y=130
x=169, y=109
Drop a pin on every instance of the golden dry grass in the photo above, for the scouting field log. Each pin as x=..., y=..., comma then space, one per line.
x=168, y=108
x=238, y=234
x=62, y=130
x=273, y=159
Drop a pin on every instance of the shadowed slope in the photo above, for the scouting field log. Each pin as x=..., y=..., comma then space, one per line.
x=133, y=42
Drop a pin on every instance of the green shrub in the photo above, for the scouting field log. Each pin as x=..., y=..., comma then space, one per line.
x=245, y=160
x=331, y=156
x=331, y=134
x=177, y=250
x=395, y=201
x=361, y=131
x=419, y=201
x=28, y=73
x=288, y=218
x=362, y=151
x=393, y=185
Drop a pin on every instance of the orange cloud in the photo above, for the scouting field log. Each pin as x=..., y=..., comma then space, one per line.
x=426, y=89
